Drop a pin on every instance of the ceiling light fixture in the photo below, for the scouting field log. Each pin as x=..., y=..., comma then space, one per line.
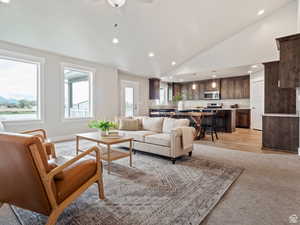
x=116, y=3
x=254, y=66
x=173, y=63
x=194, y=86
x=115, y=41
x=260, y=12
x=151, y=54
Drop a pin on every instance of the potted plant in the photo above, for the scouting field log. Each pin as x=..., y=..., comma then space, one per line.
x=103, y=126
x=176, y=100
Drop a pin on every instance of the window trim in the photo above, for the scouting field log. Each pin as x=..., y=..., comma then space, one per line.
x=79, y=68
x=40, y=62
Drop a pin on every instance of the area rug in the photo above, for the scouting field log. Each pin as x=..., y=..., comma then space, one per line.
x=153, y=192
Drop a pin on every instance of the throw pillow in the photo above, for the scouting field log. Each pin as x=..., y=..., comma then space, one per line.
x=153, y=124
x=129, y=124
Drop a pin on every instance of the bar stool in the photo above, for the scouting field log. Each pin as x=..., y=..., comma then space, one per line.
x=209, y=125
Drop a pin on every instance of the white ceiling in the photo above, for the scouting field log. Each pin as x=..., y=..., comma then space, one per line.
x=220, y=73
x=175, y=30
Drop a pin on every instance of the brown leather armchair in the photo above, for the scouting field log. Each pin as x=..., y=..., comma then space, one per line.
x=49, y=146
x=28, y=181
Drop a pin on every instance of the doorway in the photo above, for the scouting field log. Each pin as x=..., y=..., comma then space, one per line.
x=129, y=98
x=257, y=103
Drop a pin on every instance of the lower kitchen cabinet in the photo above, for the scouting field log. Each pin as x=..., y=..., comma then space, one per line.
x=243, y=118
x=281, y=133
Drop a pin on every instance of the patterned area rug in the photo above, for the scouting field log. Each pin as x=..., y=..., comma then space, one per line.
x=152, y=192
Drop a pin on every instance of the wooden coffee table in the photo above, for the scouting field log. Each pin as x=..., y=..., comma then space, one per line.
x=107, y=154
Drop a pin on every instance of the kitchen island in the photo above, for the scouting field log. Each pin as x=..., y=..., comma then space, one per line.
x=225, y=117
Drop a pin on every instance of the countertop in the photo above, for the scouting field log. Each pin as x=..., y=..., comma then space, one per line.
x=281, y=115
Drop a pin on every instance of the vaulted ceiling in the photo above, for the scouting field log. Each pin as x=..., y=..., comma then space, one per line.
x=175, y=30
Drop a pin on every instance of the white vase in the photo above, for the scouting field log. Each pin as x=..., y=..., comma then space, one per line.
x=103, y=133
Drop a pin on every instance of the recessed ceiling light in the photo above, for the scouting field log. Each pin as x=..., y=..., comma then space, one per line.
x=260, y=12
x=214, y=76
x=254, y=66
x=5, y=1
x=115, y=41
x=151, y=54
x=173, y=63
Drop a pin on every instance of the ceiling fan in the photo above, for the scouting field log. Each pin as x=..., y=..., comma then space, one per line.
x=120, y=3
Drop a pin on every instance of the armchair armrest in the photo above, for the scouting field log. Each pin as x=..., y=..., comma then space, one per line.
x=41, y=131
x=59, y=169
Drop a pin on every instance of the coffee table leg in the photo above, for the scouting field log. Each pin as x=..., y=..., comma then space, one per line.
x=130, y=156
x=77, y=145
x=108, y=158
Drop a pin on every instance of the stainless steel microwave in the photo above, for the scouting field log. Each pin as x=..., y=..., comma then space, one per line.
x=212, y=95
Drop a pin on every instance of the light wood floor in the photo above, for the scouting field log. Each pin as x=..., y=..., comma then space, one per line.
x=242, y=139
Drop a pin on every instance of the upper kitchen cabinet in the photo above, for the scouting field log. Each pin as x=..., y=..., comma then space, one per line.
x=289, y=66
x=177, y=89
x=201, y=89
x=212, y=85
x=154, y=86
x=277, y=99
x=227, y=88
x=235, y=87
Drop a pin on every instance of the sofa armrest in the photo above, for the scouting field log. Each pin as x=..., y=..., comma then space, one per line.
x=178, y=132
x=176, y=142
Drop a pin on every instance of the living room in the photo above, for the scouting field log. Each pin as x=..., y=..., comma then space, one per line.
x=115, y=112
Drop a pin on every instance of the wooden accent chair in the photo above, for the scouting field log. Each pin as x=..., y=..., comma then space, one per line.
x=41, y=133
x=29, y=182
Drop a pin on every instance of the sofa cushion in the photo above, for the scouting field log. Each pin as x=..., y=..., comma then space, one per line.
x=169, y=124
x=159, y=139
x=136, y=135
x=129, y=124
x=153, y=124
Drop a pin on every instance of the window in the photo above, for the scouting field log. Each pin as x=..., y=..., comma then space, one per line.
x=19, y=89
x=78, y=93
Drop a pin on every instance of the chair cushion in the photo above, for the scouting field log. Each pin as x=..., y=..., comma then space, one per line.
x=153, y=124
x=136, y=135
x=74, y=177
x=129, y=124
x=159, y=139
x=170, y=124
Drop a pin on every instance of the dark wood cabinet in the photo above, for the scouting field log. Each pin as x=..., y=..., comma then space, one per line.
x=154, y=86
x=235, y=87
x=177, y=89
x=277, y=99
x=201, y=90
x=289, y=66
x=209, y=85
x=281, y=133
x=243, y=118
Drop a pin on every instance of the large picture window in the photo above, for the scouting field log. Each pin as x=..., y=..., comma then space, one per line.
x=19, y=89
x=78, y=93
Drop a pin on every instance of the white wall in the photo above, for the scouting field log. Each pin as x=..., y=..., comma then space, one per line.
x=255, y=44
x=106, y=93
x=143, y=101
